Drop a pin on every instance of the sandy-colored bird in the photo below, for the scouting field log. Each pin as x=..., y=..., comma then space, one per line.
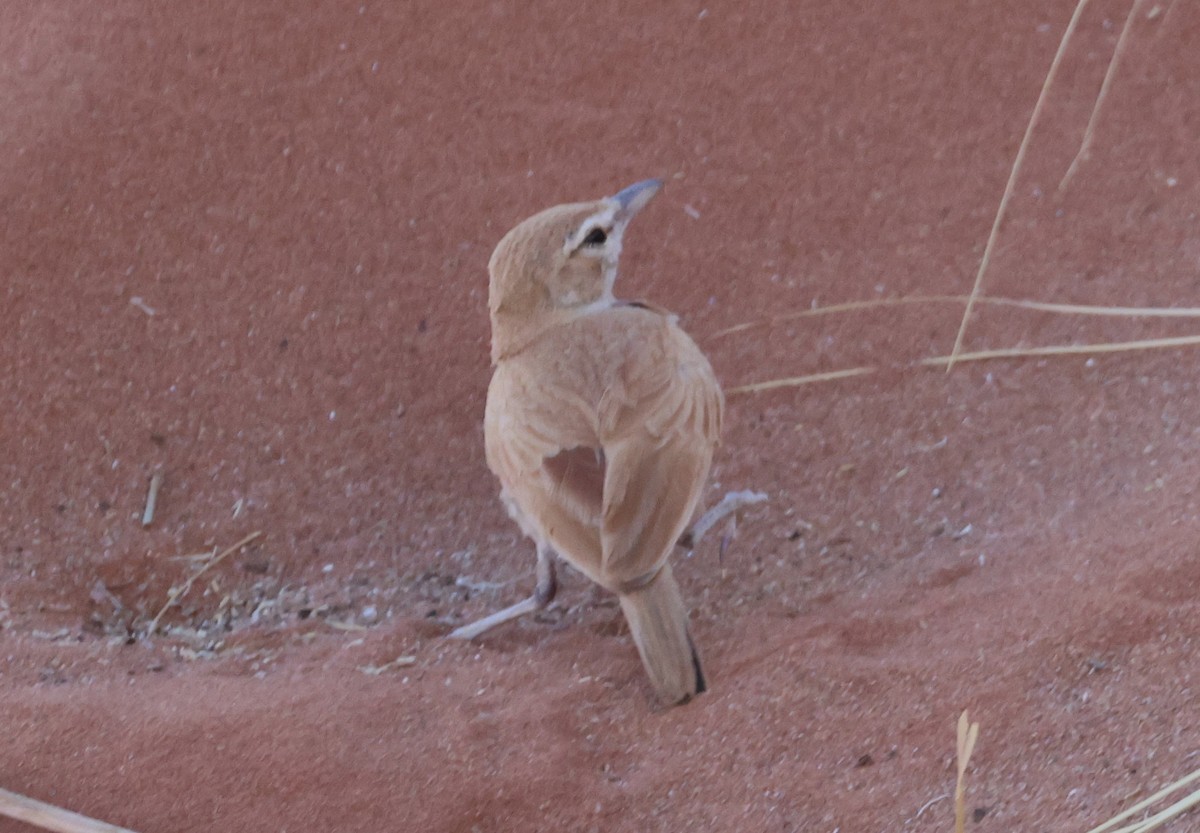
x=601, y=420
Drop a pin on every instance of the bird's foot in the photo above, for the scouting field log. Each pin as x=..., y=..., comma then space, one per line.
x=732, y=503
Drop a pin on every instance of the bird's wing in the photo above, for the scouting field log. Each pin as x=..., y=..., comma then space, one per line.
x=659, y=424
x=541, y=442
x=607, y=459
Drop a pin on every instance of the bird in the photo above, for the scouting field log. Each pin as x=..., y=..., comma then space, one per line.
x=601, y=421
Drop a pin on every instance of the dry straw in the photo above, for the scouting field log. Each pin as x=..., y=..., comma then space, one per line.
x=976, y=297
x=152, y=498
x=797, y=381
x=1158, y=819
x=180, y=591
x=849, y=306
x=977, y=288
x=981, y=355
x=48, y=817
x=931, y=300
x=1086, y=145
x=968, y=733
x=1066, y=350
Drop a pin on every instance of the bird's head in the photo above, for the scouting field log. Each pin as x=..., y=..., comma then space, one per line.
x=561, y=260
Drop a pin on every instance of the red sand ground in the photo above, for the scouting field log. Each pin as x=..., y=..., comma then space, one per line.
x=245, y=245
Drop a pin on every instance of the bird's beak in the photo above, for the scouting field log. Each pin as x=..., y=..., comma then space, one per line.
x=634, y=198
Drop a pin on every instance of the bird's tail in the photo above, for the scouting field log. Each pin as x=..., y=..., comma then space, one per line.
x=658, y=621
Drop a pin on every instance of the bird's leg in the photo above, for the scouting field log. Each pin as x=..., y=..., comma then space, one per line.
x=732, y=502
x=543, y=594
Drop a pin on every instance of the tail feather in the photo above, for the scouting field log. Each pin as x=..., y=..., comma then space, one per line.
x=658, y=621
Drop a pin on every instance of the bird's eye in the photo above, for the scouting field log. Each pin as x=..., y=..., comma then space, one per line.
x=595, y=237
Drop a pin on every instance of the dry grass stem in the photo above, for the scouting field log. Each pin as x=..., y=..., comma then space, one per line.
x=152, y=498
x=1065, y=350
x=176, y=593
x=1008, y=188
x=918, y=300
x=49, y=817
x=968, y=733
x=849, y=306
x=1092, y=309
x=797, y=381
x=339, y=625
x=397, y=663
x=1086, y=146
x=1167, y=13
x=1176, y=809
x=929, y=804
x=982, y=355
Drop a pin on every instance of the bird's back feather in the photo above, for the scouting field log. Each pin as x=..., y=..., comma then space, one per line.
x=602, y=430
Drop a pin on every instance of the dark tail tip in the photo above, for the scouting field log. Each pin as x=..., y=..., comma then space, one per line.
x=701, y=684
